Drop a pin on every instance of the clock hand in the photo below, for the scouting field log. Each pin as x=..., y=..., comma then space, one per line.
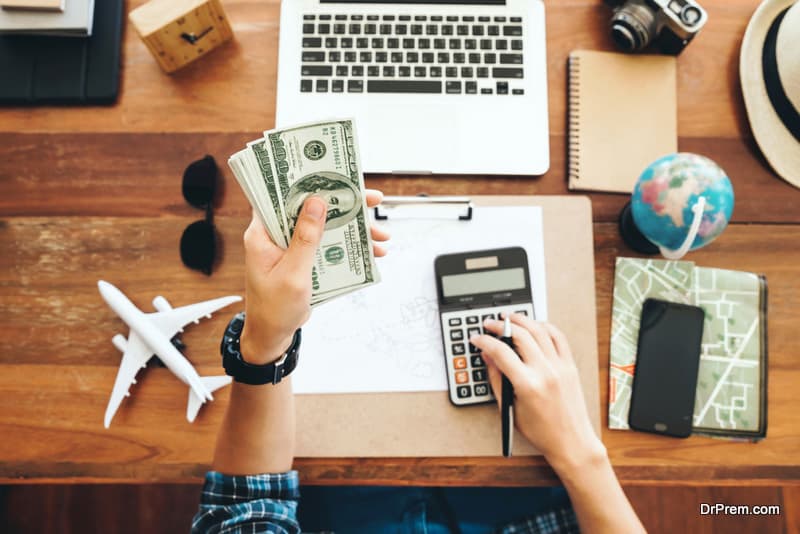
x=191, y=38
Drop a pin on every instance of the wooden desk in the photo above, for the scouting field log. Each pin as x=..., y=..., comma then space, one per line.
x=90, y=193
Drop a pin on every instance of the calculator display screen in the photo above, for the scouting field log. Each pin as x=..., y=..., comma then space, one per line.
x=483, y=282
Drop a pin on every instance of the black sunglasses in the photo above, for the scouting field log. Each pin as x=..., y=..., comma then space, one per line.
x=199, y=240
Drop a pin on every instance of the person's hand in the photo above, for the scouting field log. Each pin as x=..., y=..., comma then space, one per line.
x=278, y=282
x=549, y=408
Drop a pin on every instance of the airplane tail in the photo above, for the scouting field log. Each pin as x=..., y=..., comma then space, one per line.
x=212, y=383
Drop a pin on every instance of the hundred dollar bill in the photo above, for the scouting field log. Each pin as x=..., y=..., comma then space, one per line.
x=264, y=161
x=322, y=159
x=280, y=171
x=251, y=178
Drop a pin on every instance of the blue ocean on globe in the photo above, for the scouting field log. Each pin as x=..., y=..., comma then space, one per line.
x=666, y=191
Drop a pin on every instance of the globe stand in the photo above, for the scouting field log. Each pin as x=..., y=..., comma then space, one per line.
x=631, y=234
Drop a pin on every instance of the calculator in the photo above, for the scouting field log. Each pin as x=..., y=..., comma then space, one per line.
x=471, y=287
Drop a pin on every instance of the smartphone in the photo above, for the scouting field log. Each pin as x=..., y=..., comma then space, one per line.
x=665, y=378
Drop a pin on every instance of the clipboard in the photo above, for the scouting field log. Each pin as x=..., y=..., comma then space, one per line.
x=426, y=424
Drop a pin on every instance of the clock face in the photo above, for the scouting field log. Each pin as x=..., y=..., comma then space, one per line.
x=190, y=36
x=196, y=30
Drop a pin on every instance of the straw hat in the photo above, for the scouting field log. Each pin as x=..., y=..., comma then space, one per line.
x=769, y=67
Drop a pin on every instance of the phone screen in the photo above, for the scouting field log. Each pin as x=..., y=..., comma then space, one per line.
x=667, y=360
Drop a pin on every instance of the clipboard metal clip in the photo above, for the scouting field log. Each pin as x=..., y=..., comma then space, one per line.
x=423, y=206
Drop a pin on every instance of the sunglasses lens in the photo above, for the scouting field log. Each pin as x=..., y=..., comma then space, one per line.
x=199, y=246
x=200, y=181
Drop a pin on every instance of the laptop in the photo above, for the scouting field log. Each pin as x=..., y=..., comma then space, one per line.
x=444, y=87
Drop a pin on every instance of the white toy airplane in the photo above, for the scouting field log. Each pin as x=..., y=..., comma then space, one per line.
x=150, y=333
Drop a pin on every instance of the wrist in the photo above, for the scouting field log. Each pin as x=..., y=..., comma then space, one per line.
x=262, y=351
x=570, y=464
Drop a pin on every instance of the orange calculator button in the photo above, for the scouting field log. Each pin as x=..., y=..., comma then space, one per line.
x=459, y=363
x=462, y=377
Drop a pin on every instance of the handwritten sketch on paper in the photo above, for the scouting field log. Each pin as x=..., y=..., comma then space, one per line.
x=387, y=337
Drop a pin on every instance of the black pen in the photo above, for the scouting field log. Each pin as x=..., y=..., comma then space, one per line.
x=507, y=402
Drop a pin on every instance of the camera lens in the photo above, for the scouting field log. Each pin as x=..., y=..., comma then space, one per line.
x=633, y=26
x=690, y=15
x=623, y=37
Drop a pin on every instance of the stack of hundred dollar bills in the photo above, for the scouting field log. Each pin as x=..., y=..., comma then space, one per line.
x=279, y=171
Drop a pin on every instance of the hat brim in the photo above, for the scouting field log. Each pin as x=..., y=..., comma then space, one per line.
x=777, y=144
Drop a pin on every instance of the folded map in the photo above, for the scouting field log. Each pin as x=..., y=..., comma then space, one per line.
x=731, y=397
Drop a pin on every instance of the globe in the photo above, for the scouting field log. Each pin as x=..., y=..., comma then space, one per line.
x=681, y=202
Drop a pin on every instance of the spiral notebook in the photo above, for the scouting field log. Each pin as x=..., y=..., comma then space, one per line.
x=622, y=117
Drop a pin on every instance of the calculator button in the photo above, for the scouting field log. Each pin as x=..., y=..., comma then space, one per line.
x=458, y=349
x=476, y=361
x=521, y=312
x=489, y=316
x=462, y=377
x=473, y=332
x=473, y=319
x=473, y=349
x=479, y=375
x=459, y=363
x=481, y=390
x=455, y=321
x=463, y=392
x=456, y=335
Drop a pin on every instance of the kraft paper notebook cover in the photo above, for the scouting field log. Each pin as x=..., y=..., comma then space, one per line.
x=622, y=117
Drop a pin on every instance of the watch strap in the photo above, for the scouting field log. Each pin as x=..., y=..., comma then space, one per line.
x=248, y=373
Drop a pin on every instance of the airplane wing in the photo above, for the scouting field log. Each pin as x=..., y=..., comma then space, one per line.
x=170, y=322
x=134, y=358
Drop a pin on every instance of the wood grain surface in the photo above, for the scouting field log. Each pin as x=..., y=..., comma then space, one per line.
x=94, y=192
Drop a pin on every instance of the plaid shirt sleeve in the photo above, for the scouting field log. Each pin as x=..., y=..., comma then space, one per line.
x=250, y=503
x=559, y=521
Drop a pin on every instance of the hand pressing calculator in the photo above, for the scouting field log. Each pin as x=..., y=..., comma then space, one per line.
x=471, y=287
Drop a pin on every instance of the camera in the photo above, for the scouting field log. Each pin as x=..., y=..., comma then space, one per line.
x=669, y=24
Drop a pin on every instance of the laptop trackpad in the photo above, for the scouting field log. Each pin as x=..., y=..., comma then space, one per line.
x=413, y=138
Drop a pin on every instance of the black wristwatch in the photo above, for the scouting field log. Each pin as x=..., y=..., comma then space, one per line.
x=247, y=373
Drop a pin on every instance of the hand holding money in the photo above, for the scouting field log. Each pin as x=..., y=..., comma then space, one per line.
x=279, y=281
x=285, y=168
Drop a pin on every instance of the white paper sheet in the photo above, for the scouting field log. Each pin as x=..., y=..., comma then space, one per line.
x=387, y=337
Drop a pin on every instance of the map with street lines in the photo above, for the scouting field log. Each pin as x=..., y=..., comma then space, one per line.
x=634, y=282
x=729, y=389
x=728, y=381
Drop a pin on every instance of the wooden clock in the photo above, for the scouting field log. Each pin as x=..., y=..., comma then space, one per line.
x=179, y=31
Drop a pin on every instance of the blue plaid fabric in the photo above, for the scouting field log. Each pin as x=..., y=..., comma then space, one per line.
x=562, y=521
x=248, y=504
x=268, y=503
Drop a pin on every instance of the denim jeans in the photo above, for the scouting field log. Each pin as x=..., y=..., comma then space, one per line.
x=393, y=510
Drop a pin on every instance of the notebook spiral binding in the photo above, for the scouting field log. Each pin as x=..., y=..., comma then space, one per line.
x=573, y=114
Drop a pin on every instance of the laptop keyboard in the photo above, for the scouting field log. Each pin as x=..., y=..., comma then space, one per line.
x=412, y=54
